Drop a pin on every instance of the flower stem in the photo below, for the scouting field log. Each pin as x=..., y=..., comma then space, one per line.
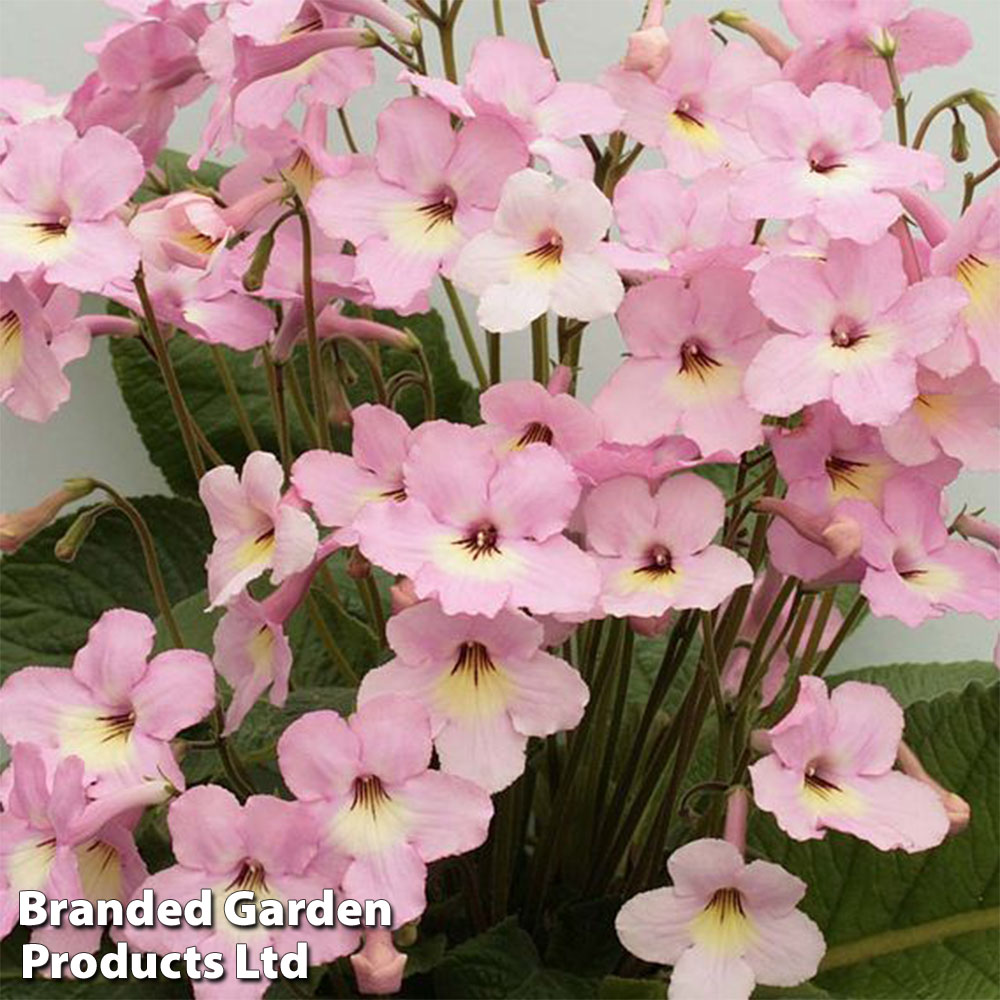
x=493, y=354
x=242, y=418
x=539, y=29
x=498, y=17
x=170, y=379
x=540, y=348
x=345, y=127
x=972, y=181
x=275, y=386
x=939, y=108
x=466, y=331
x=336, y=653
x=898, y=100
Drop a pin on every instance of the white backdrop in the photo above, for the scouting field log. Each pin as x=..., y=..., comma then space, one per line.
x=93, y=434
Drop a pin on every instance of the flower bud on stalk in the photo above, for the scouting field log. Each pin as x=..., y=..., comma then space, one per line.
x=378, y=967
x=983, y=107
x=253, y=279
x=19, y=527
x=958, y=810
x=69, y=545
x=959, y=140
x=648, y=48
x=970, y=526
x=770, y=44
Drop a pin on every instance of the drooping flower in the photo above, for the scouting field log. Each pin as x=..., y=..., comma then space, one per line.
x=856, y=330
x=529, y=413
x=54, y=839
x=59, y=197
x=953, y=416
x=256, y=529
x=338, y=486
x=914, y=570
x=513, y=81
x=487, y=686
x=844, y=42
x=694, y=111
x=691, y=341
x=428, y=190
x=479, y=531
x=23, y=525
x=655, y=549
x=116, y=709
x=543, y=252
x=723, y=925
x=377, y=803
x=831, y=767
x=823, y=157
x=378, y=966
x=268, y=846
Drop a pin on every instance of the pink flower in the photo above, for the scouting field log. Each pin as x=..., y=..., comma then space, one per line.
x=856, y=329
x=665, y=225
x=914, y=570
x=55, y=840
x=971, y=253
x=528, y=413
x=429, y=189
x=843, y=41
x=39, y=335
x=378, y=967
x=823, y=157
x=655, y=550
x=256, y=529
x=267, y=846
x=652, y=461
x=956, y=416
x=830, y=767
x=690, y=341
x=486, y=684
x=543, y=252
x=338, y=486
x=723, y=925
x=694, y=112
x=481, y=532
x=25, y=101
x=116, y=709
x=59, y=195
x=377, y=804
x=512, y=81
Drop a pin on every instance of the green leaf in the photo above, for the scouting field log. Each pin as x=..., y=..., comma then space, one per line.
x=617, y=988
x=425, y=954
x=149, y=405
x=583, y=938
x=503, y=962
x=179, y=177
x=910, y=682
x=49, y=606
x=921, y=925
x=196, y=623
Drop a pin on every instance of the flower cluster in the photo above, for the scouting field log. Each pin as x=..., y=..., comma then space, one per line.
x=813, y=355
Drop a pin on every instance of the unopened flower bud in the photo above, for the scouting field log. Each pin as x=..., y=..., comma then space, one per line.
x=958, y=810
x=19, y=527
x=970, y=526
x=378, y=967
x=983, y=107
x=69, y=545
x=648, y=51
x=770, y=44
x=253, y=279
x=406, y=936
x=737, y=810
x=959, y=141
x=560, y=380
x=402, y=595
x=358, y=567
x=840, y=536
x=884, y=44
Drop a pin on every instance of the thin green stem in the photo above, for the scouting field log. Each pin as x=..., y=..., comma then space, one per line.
x=321, y=405
x=949, y=102
x=972, y=181
x=816, y=634
x=345, y=127
x=539, y=28
x=170, y=378
x=498, y=17
x=446, y=34
x=301, y=406
x=466, y=331
x=275, y=387
x=898, y=100
x=336, y=653
x=493, y=355
x=540, y=348
x=426, y=384
x=711, y=664
x=228, y=383
x=855, y=612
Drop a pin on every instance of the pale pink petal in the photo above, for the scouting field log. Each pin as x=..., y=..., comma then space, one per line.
x=850, y=119
x=548, y=695
x=396, y=874
x=876, y=392
x=487, y=259
x=787, y=374
x=295, y=541
x=508, y=74
x=552, y=577
x=635, y=404
x=177, y=691
x=702, y=866
x=99, y=173
x=512, y=306
x=334, y=485
x=573, y=109
x=702, y=973
x=380, y=439
x=654, y=925
x=449, y=815
x=620, y=515
x=859, y=215
x=690, y=511
x=319, y=756
x=235, y=320
x=586, y=287
x=415, y=142
x=803, y=735
x=526, y=206
x=487, y=152
x=709, y=577
x=890, y=597
x=96, y=254
x=868, y=729
x=114, y=659
x=400, y=537
x=398, y=274
x=780, y=790
x=486, y=750
x=782, y=120
x=784, y=950
x=769, y=889
x=927, y=37
x=775, y=189
x=926, y=313
x=206, y=826
x=533, y=493
x=395, y=735
x=793, y=291
x=866, y=281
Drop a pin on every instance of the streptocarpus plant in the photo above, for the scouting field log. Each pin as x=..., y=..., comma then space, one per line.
x=555, y=677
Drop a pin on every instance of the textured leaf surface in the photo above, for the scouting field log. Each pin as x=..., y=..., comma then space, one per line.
x=48, y=606
x=911, y=682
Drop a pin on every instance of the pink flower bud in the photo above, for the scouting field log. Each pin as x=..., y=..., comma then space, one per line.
x=403, y=594
x=737, y=810
x=650, y=627
x=560, y=380
x=332, y=323
x=958, y=810
x=19, y=527
x=378, y=967
x=931, y=220
x=840, y=536
x=770, y=44
x=648, y=51
x=979, y=528
x=983, y=107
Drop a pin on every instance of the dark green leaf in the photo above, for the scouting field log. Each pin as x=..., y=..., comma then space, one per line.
x=910, y=682
x=617, y=988
x=48, y=606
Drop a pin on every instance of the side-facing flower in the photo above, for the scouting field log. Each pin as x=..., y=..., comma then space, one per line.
x=823, y=157
x=723, y=925
x=338, y=486
x=915, y=571
x=267, y=846
x=691, y=342
x=378, y=966
x=543, y=252
x=59, y=197
x=487, y=686
x=377, y=803
x=481, y=531
x=115, y=709
x=428, y=190
x=256, y=529
x=856, y=330
x=655, y=549
x=831, y=767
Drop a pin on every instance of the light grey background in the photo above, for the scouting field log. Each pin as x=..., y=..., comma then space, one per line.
x=93, y=434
